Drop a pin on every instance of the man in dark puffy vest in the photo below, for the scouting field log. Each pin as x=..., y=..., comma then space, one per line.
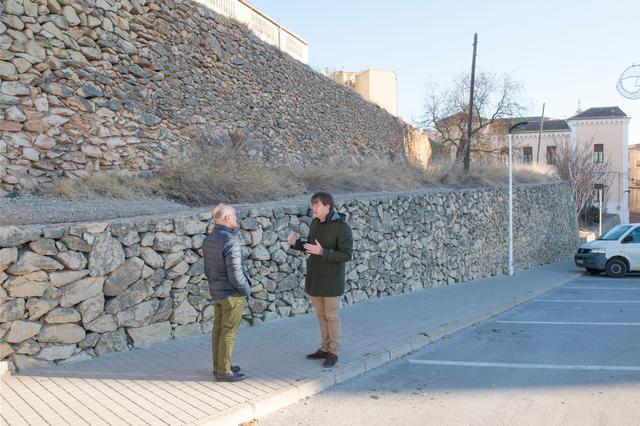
x=329, y=246
x=229, y=285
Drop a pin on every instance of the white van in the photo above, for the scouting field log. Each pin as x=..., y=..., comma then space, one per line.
x=616, y=252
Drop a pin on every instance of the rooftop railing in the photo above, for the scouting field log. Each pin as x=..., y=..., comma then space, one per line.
x=264, y=27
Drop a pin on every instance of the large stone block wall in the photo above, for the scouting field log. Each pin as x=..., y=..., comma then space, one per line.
x=73, y=292
x=90, y=85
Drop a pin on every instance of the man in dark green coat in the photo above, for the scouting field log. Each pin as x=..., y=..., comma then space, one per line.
x=329, y=246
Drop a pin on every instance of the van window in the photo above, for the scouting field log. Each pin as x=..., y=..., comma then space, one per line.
x=633, y=237
x=615, y=233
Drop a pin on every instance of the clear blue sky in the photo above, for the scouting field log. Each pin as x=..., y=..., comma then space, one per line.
x=563, y=51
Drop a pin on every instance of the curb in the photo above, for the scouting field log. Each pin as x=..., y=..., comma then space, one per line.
x=293, y=393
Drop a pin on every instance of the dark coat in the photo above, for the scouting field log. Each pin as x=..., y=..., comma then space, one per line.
x=326, y=273
x=223, y=264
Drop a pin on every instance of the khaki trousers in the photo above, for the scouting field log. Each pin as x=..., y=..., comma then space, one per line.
x=226, y=321
x=327, y=312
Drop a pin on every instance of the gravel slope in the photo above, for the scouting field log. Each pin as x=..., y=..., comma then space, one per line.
x=31, y=209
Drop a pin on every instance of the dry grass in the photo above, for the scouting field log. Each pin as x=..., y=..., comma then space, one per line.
x=372, y=175
x=483, y=173
x=69, y=189
x=113, y=185
x=535, y=173
x=491, y=173
x=206, y=176
x=368, y=175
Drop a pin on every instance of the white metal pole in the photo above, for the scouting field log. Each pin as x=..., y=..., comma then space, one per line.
x=600, y=214
x=510, y=210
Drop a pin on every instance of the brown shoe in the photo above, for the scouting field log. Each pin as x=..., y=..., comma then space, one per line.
x=319, y=354
x=331, y=360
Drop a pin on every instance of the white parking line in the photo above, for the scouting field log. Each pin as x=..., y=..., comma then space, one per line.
x=530, y=366
x=585, y=301
x=566, y=323
x=602, y=288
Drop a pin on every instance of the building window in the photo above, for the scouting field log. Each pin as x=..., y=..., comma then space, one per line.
x=598, y=153
x=527, y=154
x=551, y=155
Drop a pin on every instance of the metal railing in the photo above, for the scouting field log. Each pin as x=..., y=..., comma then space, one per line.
x=264, y=27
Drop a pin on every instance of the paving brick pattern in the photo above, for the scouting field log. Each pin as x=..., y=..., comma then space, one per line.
x=171, y=383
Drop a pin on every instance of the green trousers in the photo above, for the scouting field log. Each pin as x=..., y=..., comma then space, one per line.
x=226, y=321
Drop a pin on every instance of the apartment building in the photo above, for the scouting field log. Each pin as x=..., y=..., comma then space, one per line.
x=377, y=86
x=604, y=130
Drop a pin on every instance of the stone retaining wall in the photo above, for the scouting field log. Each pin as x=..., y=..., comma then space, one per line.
x=89, y=85
x=77, y=291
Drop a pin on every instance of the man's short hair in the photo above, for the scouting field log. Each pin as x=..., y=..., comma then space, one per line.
x=221, y=211
x=324, y=197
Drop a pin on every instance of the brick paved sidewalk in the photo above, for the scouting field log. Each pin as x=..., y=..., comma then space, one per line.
x=171, y=383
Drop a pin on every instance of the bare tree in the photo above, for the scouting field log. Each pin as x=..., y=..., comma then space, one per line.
x=578, y=166
x=446, y=111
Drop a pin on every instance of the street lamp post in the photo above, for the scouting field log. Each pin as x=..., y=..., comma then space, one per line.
x=600, y=187
x=512, y=128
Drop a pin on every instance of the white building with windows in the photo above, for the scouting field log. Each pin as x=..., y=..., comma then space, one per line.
x=604, y=129
x=266, y=28
x=531, y=146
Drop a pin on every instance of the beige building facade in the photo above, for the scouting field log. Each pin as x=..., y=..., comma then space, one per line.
x=376, y=86
x=604, y=130
x=634, y=178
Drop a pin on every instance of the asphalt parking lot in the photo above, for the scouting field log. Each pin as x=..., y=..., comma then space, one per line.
x=568, y=357
x=590, y=324
x=571, y=356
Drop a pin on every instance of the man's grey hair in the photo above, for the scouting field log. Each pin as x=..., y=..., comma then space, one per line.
x=221, y=211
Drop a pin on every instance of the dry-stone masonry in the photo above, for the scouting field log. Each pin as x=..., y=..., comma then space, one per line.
x=89, y=85
x=77, y=291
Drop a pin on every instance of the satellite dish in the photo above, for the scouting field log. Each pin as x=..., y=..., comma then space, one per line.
x=629, y=82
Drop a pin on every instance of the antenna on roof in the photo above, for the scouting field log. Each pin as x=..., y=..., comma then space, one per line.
x=629, y=82
x=579, y=110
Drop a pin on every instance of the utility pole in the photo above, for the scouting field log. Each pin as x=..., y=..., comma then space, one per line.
x=540, y=135
x=467, y=151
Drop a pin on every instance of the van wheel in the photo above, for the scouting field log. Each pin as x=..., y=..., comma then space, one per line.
x=594, y=271
x=616, y=268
